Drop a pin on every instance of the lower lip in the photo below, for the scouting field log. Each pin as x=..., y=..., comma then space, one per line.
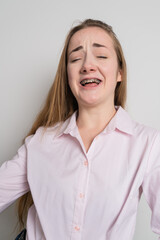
x=91, y=86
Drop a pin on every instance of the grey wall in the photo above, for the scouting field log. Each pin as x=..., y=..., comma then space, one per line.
x=31, y=38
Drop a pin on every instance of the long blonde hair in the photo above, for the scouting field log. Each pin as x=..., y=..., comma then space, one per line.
x=60, y=103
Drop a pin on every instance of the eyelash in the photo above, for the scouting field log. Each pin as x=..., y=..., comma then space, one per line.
x=102, y=57
x=74, y=60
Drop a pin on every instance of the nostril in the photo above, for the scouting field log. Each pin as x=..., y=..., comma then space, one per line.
x=87, y=69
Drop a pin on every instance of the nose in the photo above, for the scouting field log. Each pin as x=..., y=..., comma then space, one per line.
x=88, y=66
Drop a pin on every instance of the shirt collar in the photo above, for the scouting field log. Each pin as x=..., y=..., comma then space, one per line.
x=121, y=121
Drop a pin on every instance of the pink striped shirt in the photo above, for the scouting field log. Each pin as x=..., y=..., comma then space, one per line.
x=81, y=195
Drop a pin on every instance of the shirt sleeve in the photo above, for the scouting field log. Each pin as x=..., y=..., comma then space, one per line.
x=151, y=184
x=13, y=178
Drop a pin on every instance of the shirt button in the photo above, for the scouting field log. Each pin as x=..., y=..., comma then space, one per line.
x=86, y=163
x=81, y=195
x=77, y=228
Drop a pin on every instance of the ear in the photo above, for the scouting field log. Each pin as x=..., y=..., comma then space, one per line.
x=119, y=76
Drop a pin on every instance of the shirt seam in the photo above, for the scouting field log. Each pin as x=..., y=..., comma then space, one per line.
x=150, y=151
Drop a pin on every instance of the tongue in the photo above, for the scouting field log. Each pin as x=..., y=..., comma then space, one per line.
x=90, y=85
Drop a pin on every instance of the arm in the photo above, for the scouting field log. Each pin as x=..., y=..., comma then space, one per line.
x=151, y=184
x=13, y=178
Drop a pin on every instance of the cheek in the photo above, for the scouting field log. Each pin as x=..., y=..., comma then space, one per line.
x=70, y=78
x=70, y=83
x=73, y=77
x=70, y=73
x=112, y=71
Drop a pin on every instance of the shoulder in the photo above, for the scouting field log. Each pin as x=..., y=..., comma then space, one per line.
x=45, y=135
x=126, y=123
x=145, y=132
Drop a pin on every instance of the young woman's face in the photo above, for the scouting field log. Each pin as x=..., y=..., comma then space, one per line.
x=92, y=67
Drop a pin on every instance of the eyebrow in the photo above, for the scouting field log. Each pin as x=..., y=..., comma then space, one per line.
x=80, y=47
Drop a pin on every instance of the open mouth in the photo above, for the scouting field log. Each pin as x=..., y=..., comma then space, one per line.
x=91, y=81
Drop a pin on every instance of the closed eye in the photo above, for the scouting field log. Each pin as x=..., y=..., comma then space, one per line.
x=102, y=57
x=74, y=60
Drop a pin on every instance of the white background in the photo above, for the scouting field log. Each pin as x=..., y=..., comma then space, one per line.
x=32, y=34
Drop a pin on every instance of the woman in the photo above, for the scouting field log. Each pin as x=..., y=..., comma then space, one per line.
x=85, y=162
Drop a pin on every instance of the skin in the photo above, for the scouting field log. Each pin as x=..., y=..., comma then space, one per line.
x=86, y=59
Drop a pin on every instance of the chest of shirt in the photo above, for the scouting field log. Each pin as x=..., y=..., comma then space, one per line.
x=112, y=162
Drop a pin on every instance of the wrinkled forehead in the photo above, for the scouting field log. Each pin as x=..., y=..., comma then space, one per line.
x=90, y=35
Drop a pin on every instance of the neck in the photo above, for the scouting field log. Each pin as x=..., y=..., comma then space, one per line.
x=95, y=118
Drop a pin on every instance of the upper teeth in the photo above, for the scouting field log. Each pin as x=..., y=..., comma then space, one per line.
x=93, y=80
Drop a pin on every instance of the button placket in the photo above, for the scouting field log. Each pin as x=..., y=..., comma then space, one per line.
x=77, y=228
x=85, y=163
x=80, y=201
x=81, y=195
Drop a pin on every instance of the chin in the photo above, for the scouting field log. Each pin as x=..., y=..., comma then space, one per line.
x=91, y=103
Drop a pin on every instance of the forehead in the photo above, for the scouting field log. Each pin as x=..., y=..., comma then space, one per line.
x=90, y=35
